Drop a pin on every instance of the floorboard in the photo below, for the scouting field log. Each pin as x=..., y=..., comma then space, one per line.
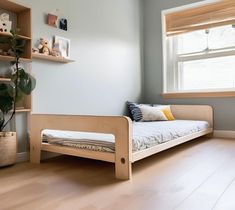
x=198, y=175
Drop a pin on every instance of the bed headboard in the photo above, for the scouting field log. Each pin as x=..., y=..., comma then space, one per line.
x=193, y=112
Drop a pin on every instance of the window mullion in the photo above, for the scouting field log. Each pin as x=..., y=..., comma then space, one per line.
x=191, y=57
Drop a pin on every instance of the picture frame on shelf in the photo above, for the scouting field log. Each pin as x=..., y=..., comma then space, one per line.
x=5, y=23
x=63, y=45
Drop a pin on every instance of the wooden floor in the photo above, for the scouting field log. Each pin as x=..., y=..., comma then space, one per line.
x=199, y=175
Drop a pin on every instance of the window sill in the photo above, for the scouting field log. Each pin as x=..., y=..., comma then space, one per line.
x=220, y=94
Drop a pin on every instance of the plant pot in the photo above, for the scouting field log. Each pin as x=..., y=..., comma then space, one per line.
x=8, y=145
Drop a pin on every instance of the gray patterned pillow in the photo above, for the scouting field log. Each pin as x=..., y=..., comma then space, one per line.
x=135, y=111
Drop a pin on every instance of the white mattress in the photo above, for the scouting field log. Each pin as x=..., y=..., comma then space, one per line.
x=145, y=135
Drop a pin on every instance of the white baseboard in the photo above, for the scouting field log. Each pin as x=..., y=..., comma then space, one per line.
x=224, y=134
x=22, y=157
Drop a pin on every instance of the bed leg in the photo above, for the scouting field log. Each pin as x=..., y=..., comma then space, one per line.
x=123, y=169
x=35, y=155
x=209, y=135
x=123, y=149
x=35, y=150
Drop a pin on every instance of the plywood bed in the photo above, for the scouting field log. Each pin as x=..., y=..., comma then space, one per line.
x=120, y=127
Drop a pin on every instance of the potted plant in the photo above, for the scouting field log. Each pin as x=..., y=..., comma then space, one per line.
x=11, y=93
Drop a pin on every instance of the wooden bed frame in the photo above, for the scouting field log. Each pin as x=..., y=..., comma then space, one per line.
x=120, y=127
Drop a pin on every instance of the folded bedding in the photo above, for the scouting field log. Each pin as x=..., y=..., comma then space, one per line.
x=145, y=135
x=83, y=140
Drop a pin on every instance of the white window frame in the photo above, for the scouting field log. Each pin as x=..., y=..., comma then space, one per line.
x=222, y=52
x=211, y=54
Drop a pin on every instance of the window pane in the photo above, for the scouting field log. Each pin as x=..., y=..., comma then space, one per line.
x=213, y=73
x=196, y=41
x=192, y=42
x=221, y=37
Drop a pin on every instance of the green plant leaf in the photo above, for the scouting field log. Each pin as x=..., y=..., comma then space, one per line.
x=6, y=90
x=20, y=96
x=2, y=120
x=6, y=97
x=26, y=83
x=6, y=104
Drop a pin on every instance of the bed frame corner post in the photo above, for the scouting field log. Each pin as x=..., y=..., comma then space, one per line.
x=123, y=150
x=35, y=140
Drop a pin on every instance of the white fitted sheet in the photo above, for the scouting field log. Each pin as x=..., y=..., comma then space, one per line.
x=145, y=135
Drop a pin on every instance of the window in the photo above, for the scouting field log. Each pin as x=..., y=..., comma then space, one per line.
x=199, y=53
x=205, y=59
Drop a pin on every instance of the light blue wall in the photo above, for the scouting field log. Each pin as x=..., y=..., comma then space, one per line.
x=106, y=42
x=224, y=108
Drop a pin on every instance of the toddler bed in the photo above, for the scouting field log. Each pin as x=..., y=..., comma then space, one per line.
x=117, y=139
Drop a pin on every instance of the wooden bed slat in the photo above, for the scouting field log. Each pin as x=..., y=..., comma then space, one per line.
x=105, y=156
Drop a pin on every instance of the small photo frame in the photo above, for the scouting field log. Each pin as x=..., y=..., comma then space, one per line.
x=63, y=24
x=63, y=45
x=52, y=20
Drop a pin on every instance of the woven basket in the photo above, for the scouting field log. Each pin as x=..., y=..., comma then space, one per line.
x=7, y=148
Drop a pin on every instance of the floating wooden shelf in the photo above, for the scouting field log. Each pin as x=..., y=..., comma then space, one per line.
x=19, y=110
x=20, y=36
x=23, y=110
x=2, y=79
x=11, y=58
x=51, y=58
x=12, y=6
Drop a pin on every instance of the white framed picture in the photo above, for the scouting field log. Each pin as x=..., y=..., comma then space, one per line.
x=63, y=45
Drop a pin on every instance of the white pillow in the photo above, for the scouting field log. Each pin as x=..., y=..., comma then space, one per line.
x=150, y=113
